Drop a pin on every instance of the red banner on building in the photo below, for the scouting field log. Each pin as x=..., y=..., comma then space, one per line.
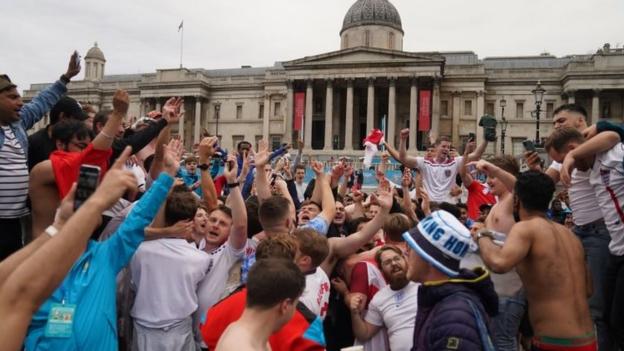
x=424, y=110
x=299, y=111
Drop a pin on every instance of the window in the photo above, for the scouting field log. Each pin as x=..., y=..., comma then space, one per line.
x=516, y=146
x=261, y=111
x=276, y=142
x=520, y=109
x=276, y=109
x=239, y=111
x=367, y=38
x=550, y=107
x=489, y=108
x=444, y=108
x=467, y=107
x=390, y=40
x=237, y=139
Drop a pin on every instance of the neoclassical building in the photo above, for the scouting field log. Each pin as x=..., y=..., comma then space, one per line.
x=332, y=99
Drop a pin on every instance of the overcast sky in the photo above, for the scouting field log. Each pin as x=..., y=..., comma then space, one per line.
x=142, y=35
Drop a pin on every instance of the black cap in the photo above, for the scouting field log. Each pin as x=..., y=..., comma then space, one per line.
x=5, y=82
x=70, y=108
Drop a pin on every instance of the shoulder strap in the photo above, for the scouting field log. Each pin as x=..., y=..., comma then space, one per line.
x=484, y=334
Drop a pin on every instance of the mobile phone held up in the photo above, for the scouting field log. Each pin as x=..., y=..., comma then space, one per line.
x=87, y=183
x=529, y=146
x=471, y=137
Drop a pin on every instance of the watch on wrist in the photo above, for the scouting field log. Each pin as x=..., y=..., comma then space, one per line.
x=484, y=233
x=64, y=79
x=233, y=185
x=204, y=166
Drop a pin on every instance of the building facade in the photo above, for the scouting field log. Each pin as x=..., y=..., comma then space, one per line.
x=333, y=99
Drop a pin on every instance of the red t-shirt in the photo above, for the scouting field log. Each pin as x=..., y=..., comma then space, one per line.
x=290, y=337
x=367, y=279
x=478, y=195
x=66, y=165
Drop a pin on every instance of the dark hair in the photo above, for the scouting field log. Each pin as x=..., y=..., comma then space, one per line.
x=277, y=246
x=561, y=137
x=240, y=144
x=441, y=139
x=507, y=163
x=354, y=223
x=572, y=108
x=300, y=166
x=180, y=205
x=395, y=225
x=273, y=210
x=450, y=208
x=310, y=202
x=224, y=209
x=101, y=118
x=461, y=205
x=67, y=129
x=534, y=190
x=253, y=223
x=485, y=207
x=312, y=244
x=267, y=274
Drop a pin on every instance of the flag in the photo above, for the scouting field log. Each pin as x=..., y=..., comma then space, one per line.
x=371, y=143
x=181, y=25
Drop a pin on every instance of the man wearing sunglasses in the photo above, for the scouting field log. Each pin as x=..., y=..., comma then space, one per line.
x=15, y=119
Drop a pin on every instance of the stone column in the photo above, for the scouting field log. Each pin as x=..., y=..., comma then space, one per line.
x=141, y=108
x=329, y=114
x=266, y=117
x=181, y=126
x=413, y=115
x=370, y=106
x=289, y=112
x=391, y=111
x=308, y=116
x=480, y=112
x=571, y=98
x=349, y=117
x=456, y=116
x=595, y=113
x=158, y=104
x=435, y=108
x=197, y=125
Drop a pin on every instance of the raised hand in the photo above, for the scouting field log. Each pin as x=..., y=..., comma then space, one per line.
x=406, y=180
x=172, y=110
x=482, y=165
x=533, y=161
x=182, y=229
x=121, y=102
x=261, y=157
x=73, y=68
x=206, y=147
x=426, y=202
x=358, y=197
x=317, y=167
x=338, y=171
x=470, y=147
x=231, y=169
x=405, y=133
x=115, y=183
x=171, y=156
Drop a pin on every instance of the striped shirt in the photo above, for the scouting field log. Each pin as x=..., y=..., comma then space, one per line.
x=13, y=177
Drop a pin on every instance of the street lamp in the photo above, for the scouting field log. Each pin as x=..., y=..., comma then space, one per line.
x=217, y=110
x=504, y=123
x=538, y=93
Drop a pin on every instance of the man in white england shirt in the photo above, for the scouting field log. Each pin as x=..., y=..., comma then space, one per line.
x=439, y=172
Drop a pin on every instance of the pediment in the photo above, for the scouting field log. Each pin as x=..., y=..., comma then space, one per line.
x=365, y=55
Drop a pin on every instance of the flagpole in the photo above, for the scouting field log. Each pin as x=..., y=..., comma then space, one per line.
x=181, y=42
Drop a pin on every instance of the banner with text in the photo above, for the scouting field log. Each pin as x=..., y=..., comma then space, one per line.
x=299, y=111
x=424, y=111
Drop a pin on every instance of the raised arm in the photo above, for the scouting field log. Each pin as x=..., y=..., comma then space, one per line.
x=39, y=274
x=600, y=143
x=463, y=168
x=406, y=202
x=328, y=203
x=508, y=179
x=104, y=140
x=392, y=151
x=478, y=152
x=503, y=259
x=403, y=158
x=171, y=110
x=206, y=151
x=263, y=188
x=238, y=233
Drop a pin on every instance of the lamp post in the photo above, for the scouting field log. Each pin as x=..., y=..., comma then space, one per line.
x=217, y=110
x=538, y=93
x=504, y=123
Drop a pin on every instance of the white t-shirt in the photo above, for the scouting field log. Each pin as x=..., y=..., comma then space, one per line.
x=396, y=311
x=439, y=178
x=213, y=285
x=582, y=197
x=316, y=294
x=607, y=178
x=166, y=273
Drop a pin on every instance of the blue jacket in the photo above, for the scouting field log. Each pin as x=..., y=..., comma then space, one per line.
x=33, y=111
x=91, y=282
x=445, y=319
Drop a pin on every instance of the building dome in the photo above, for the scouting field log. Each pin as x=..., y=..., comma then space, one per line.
x=95, y=53
x=372, y=12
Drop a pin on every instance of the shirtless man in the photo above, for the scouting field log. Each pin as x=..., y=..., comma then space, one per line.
x=267, y=309
x=550, y=262
x=501, y=177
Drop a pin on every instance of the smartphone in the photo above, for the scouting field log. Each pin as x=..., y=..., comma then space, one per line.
x=529, y=146
x=77, y=58
x=471, y=137
x=87, y=183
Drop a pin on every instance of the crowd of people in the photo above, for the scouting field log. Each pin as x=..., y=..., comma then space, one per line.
x=203, y=249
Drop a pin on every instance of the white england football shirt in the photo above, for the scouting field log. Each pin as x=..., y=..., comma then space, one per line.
x=396, y=311
x=607, y=178
x=439, y=178
x=582, y=197
x=316, y=294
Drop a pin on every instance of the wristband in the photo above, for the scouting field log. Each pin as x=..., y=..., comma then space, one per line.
x=51, y=231
x=106, y=135
x=64, y=79
x=204, y=166
x=233, y=185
